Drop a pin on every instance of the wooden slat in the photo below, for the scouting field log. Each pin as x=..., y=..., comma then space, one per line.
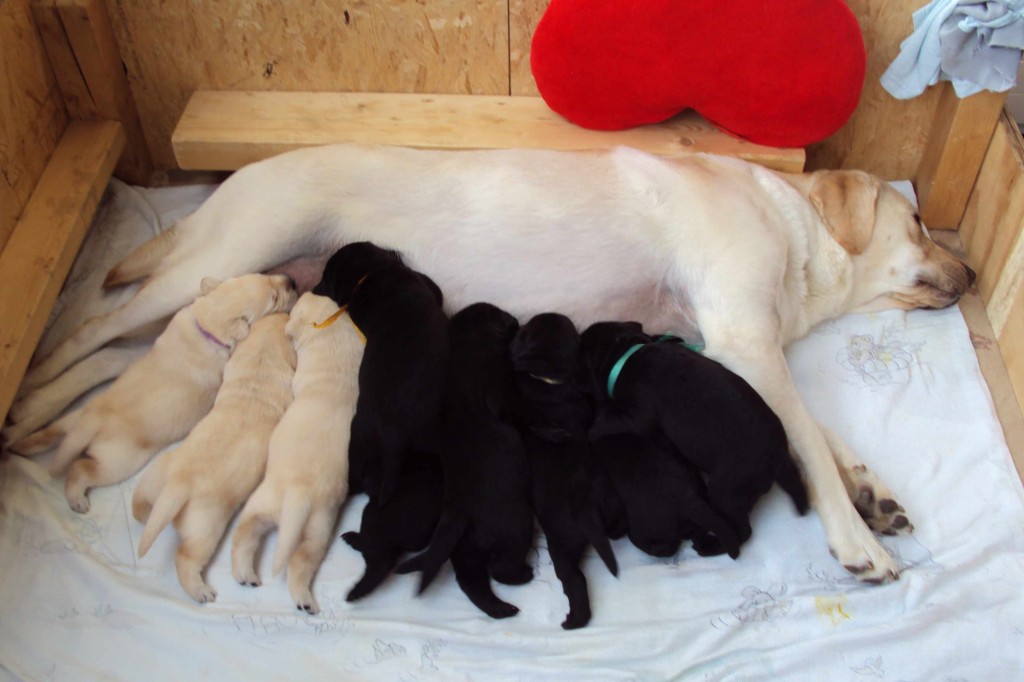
x=227, y=130
x=72, y=84
x=993, y=224
x=89, y=41
x=45, y=241
x=956, y=145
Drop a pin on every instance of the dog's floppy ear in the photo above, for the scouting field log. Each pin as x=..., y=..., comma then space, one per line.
x=207, y=285
x=846, y=201
x=436, y=290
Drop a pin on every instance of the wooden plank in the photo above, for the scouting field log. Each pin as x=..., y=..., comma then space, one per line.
x=90, y=38
x=1011, y=346
x=952, y=157
x=993, y=226
x=226, y=130
x=46, y=240
x=172, y=49
x=72, y=84
x=885, y=136
x=32, y=113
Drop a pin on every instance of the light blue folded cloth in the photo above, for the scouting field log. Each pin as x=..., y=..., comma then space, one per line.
x=976, y=44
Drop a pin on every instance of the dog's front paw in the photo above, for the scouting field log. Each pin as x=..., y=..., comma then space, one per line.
x=867, y=560
x=876, y=504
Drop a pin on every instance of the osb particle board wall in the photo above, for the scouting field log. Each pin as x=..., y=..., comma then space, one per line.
x=32, y=113
x=173, y=48
x=460, y=46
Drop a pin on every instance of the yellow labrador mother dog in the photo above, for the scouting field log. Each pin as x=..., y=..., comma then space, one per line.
x=749, y=258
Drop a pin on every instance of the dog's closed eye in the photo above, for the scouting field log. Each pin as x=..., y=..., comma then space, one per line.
x=548, y=380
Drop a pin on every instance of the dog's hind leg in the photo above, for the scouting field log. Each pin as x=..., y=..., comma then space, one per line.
x=116, y=463
x=142, y=261
x=245, y=543
x=307, y=557
x=565, y=555
x=471, y=574
x=164, y=294
x=42, y=405
x=201, y=529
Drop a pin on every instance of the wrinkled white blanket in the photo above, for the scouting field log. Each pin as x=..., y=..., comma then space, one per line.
x=903, y=389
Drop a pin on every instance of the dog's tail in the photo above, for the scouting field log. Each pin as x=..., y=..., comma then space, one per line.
x=790, y=480
x=142, y=261
x=593, y=530
x=167, y=506
x=295, y=510
x=379, y=564
x=449, y=531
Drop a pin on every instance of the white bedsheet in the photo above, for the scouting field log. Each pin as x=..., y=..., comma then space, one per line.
x=903, y=389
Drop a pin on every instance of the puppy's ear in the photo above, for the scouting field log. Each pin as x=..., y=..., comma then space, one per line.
x=846, y=201
x=207, y=285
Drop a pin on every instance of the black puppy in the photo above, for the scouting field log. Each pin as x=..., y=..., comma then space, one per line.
x=553, y=412
x=401, y=378
x=404, y=523
x=486, y=525
x=712, y=418
x=644, y=490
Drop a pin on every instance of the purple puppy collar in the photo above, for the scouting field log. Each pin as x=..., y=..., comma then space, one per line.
x=211, y=337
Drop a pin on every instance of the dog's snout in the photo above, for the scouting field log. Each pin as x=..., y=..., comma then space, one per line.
x=972, y=276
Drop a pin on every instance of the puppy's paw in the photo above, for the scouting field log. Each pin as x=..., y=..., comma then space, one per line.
x=202, y=593
x=306, y=603
x=576, y=619
x=78, y=502
x=500, y=609
x=246, y=576
x=876, y=504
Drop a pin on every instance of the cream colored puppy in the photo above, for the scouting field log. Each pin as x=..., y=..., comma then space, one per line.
x=161, y=396
x=201, y=484
x=307, y=471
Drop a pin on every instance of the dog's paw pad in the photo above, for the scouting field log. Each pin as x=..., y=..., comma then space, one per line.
x=875, y=503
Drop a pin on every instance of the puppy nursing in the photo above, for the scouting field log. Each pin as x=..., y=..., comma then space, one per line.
x=306, y=481
x=393, y=451
x=202, y=483
x=162, y=395
x=486, y=526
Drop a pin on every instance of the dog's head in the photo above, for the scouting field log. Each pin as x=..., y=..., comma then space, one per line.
x=349, y=266
x=308, y=311
x=227, y=309
x=550, y=377
x=603, y=343
x=896, y=263
x=484, y=323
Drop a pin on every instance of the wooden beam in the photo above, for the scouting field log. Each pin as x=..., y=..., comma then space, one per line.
x=81, y=45
x=46, y=240
x=956, y=145
x=227, y=130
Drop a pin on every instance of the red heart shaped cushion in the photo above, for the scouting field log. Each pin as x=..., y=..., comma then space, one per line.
x=784, y=73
